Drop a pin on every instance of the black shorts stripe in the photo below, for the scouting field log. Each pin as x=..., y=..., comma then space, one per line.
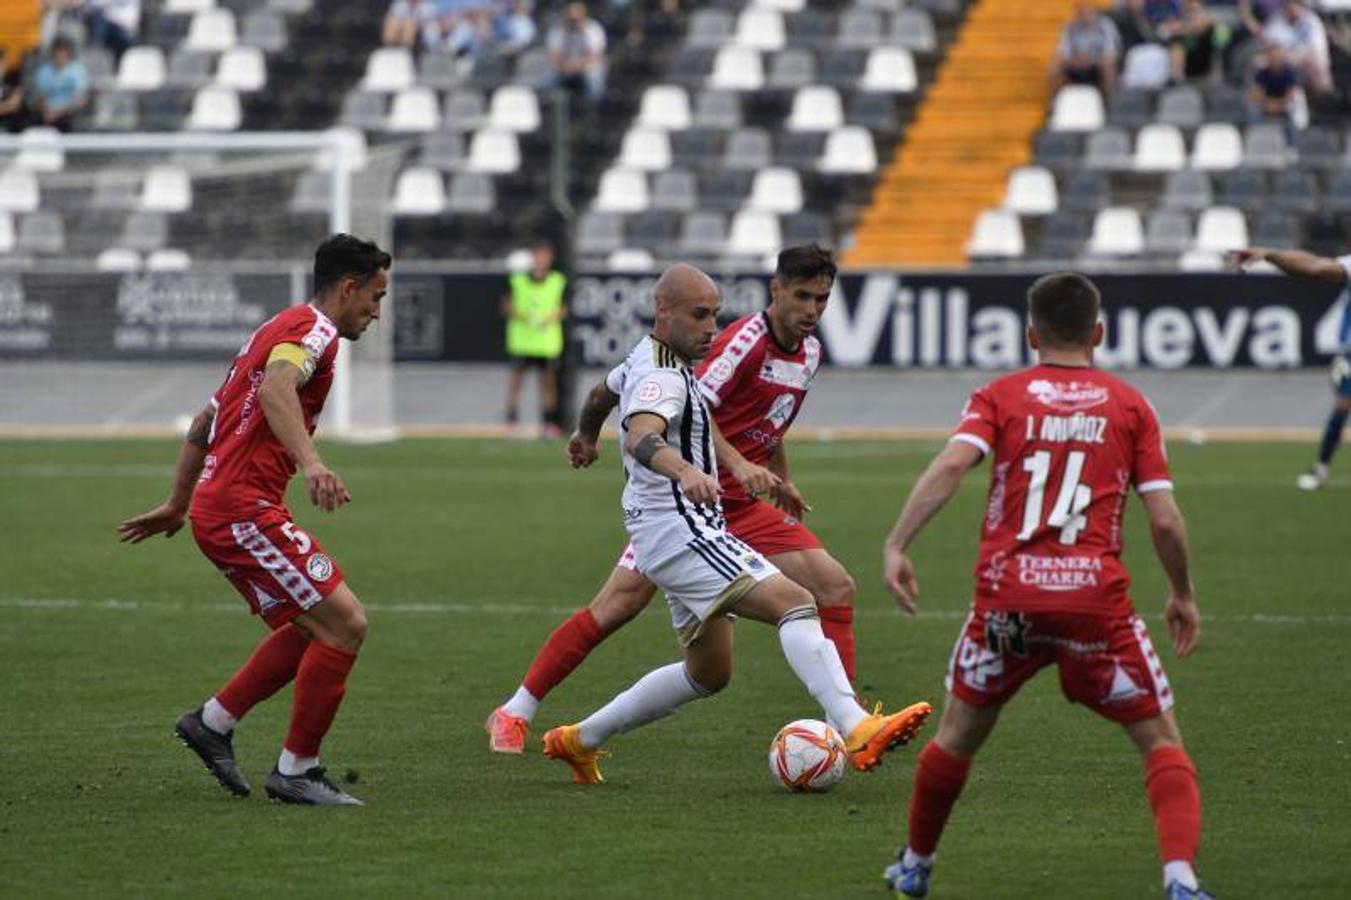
x=716, y=564
x=721, y=553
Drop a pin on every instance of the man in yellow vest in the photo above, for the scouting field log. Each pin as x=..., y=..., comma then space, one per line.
x=534, y=310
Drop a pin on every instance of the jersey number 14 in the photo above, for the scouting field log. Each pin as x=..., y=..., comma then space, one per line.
x=1073, y=498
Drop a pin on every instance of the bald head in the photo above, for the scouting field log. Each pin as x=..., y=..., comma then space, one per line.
x=687, y=304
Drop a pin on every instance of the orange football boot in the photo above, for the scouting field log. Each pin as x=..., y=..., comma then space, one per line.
x=872, y=738
x=565, y=743
x=506, y=733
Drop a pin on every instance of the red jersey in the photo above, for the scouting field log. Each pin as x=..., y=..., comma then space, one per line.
x=1068, y=444
x=246, y=466
x=756, y=389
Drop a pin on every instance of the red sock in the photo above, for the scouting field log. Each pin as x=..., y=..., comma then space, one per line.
x=269, y=669
x=320, y=684
x=562, y=652
x=939, y=778
x=1170, y=782
x=838, y=624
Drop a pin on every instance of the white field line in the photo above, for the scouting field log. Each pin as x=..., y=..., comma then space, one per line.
x=553, y=608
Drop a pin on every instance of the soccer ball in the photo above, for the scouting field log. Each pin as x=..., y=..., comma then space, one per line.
x=807, y=756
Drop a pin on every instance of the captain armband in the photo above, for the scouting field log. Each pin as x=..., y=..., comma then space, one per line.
x=294, y=354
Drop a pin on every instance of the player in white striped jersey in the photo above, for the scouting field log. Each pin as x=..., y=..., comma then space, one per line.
x=673, y=517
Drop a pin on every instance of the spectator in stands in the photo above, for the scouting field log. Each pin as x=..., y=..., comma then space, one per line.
x=1272, y=88
x=113, y=24
x=462, y=27
x=1191, y=41
x=1153, y=20
x=1299, y=30
x=60, y=86
x=13, y=116
x=1255, y=13
x=514, y=27
x=406, y=21
x=61, y=18
x=577, y=51
x=1090, y=47
x=535, y=310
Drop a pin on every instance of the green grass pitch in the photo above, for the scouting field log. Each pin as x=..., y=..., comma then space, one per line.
x=469, y=553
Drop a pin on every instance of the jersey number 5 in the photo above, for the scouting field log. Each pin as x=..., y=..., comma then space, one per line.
x=1073, y=498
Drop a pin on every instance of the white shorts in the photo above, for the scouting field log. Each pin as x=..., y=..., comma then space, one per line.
x=707, y=579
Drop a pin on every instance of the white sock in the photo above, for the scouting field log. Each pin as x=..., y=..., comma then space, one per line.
x=910, y=859
x=218, y=718
x=522, y=703
x=658, y=693
x=1181, y=871
x=817, y=665
x=290, y=764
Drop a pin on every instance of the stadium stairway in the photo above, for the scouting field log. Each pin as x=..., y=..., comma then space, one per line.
x=975, y=124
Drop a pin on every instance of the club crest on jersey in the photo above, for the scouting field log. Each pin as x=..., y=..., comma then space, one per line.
x=319, y=566
x=1071, y=396
x=648, y=392
x=782, y=410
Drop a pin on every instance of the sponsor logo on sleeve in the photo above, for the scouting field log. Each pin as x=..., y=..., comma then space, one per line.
x=720, y=370
x=649, y=392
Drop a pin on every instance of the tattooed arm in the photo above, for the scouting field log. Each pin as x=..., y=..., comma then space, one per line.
x=583, y=445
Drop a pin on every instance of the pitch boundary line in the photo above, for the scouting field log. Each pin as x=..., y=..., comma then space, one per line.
x=114, y=604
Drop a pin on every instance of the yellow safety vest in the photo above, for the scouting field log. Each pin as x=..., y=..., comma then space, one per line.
x=531, y=331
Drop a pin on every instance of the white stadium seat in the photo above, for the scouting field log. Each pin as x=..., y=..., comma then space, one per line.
x=777, y=190
x=646, y=149
x=1031, y=191
x=816, y=108
x=630, y=259
x=754, y=233
x=7, y=236
x=414, y=110
x=849, y=151
x=890, y=69
x=420, y=191
x=188, y=6
x=242, y=69
x=1218, y=147
x=19, y=190
x=1078, y=107
x=623, y=191
x=389, y=69
x=515, y=108
x=168, y=259
x=118, y=259
x=761, y=28
x=1221, y=228
x=737, y=69
x=799, y=5
x=1160, y=148
x=494, y=152
x=1117, y=231
x=1145, y=67
x=166, y=189
x=141, y=69
x=212, y=30
x=1201, y=261
x=998, y=233
x=40, y=150
x=215, y=109
x=665, y=106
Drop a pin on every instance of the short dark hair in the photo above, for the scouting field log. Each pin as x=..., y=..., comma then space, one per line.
x=805, y=262
x=1064, y=308
x=343, y=255
x=63, y=43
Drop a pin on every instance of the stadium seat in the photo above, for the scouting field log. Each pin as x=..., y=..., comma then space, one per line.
x=213, y=30
x=799, y=149
x=7, y=236
x=353, y=141
x=748, y=149
x=1220, y=229
x=265, y=30
x=914, y=30
x=1117, y=232
x=709, y=28
x=1226, y=103
x=806, y=228
x=645, y=149
x=697, y=147
x=19, y=190
x=810, y=28
x=312, y=193
x=703, y=233
x=1061, y=235
x=118, y=259
x=630, y=259
x=465, y=110
x=1031, y=191
x=439, y=69
x=495, y=152
x=189, y=69
x=1188, y=190
x=41, y=232
x=141, y=69
x=997, y=234
x=1056, y=149
x=1109, y=150
x=166, y=189
x=1338, y=197
x=290, y=7
x=1201, y=261
x=754, y=233
x=114, y=111
x=215, y=109
x=622, y=191
x=890, y=69
x=363, y=110
x=1160, y=148
x=792, y=69
x=1318, y=148
x=761, y=28
x=1265, y=147
x=724, y=190
x=888, y=6
x=675, y=190
x=515, y=108
x=242, y=69
x=168, y=260
x=40, y=150
x=389, y=69
x=114, y=189
x=665, y=106
x=1168, y=231
x=1218, y=147
x=691, y=65
x=776, y=190
x=1077, y=107
x=793, y=5
x=874, y=111
x=1245, y=189
x=1296, y=191
x=815, y=108
x=419, y=192
x=1276, y=228
x=599, y=232
x=188, y=6
x=442, y=151
x=98, y=65
x=473, y=193
x=849, y=150
x=534, y=70
x=737, y=69
x=145, y=231
x=1130, y=108
x=1182, y=106
x=861, y=29
x=718, y=109
x=652, y=229
x=842, y=67
x=414, y=110
x=1145, y=67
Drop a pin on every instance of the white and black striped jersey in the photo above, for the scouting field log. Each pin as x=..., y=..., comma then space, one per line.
x=654, y=379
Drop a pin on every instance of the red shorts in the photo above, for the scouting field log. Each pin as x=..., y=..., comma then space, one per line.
x=280, y=570
x=766, y=528
x=1106, y=662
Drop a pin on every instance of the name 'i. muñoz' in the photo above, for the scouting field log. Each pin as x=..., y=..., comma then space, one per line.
x=1063, y=429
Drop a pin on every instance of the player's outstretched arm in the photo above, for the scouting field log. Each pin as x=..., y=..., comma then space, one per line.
x=933, y=490
x=281, y=406
x=646, y=444
x=1169, y=532
x=168, y=517
x=1293, y=262
x=584, y=444
x=786, y=495
x=752, y=478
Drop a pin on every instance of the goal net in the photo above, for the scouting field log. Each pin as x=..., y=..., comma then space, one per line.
x=134, y=266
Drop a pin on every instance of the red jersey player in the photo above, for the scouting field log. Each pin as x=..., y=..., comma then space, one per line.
x=234, y=467
x=755, y=378
x=1068, y=443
